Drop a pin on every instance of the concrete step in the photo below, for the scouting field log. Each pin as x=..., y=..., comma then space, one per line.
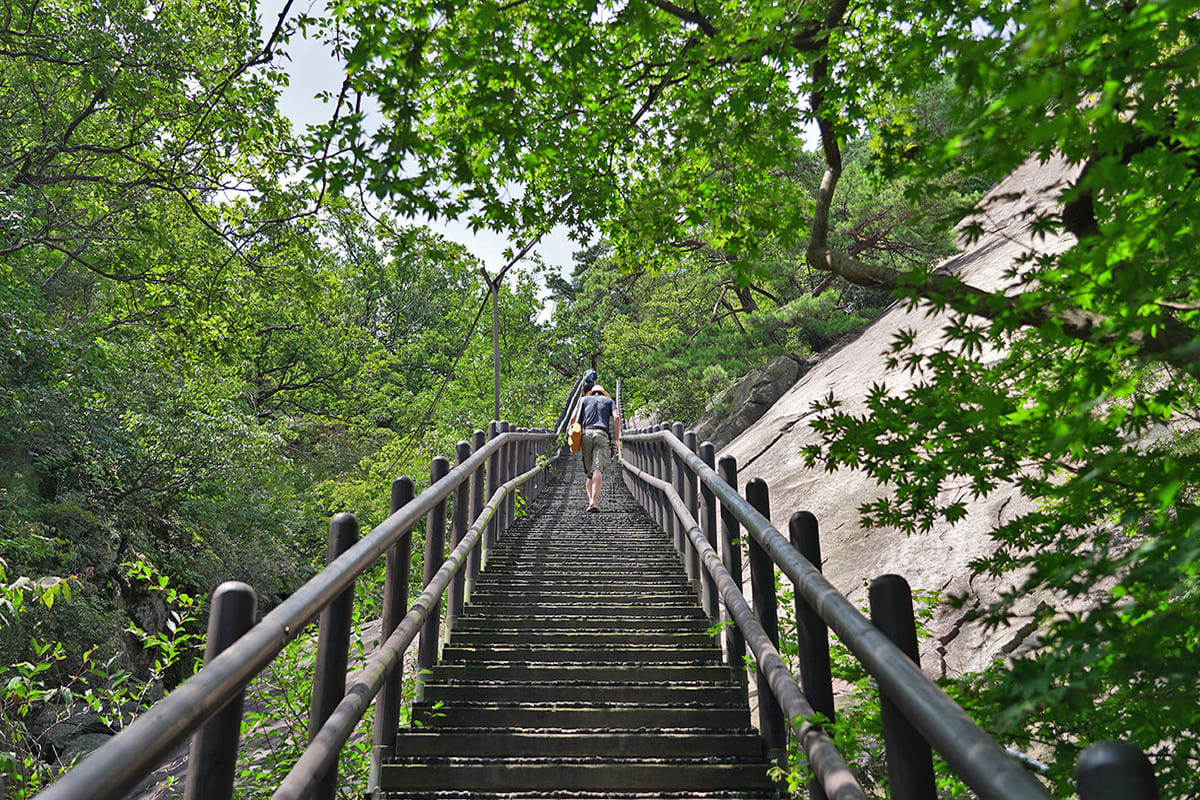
x=591, y=584
x=543, y=576
x=599, y=607
x=577, y=691
x=612, y=672
x=680, y=595
x=596, y=653
x=579, y=715
x=658, y=555
x=550, y=622
x=583, y=794
x=572, y=638
x=705, y=742
x=473, y=774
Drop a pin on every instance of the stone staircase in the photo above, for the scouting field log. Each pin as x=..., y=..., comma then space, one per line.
x=582, y=667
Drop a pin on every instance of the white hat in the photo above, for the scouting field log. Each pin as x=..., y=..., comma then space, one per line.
x=598, y=389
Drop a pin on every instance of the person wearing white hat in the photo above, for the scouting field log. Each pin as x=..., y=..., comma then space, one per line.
x=601, y=421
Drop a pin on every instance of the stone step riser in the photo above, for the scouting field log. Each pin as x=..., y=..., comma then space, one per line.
x=503, y=693
x=679, y=597
x=518, y=776
x=611, y=573
x=582, y=586
x=665, y=608
x=573, y=639
x=485, y=671
x=549, y=623
x=450, y=716
x=564, y=655
x=528, y=743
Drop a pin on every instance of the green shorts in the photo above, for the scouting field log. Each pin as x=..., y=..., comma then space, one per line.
x=596, y=449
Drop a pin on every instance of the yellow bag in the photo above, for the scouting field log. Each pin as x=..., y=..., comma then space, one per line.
x=575, y=437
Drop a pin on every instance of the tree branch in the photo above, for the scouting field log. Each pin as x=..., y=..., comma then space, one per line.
x=695, y=17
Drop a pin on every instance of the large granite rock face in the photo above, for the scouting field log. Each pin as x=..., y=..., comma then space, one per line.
x=936, y=561
x=742, y=404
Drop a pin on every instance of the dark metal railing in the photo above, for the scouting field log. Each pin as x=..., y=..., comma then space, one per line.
x=208, y=705
x=663, y=468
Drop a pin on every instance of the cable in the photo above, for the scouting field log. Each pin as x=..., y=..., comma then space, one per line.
x=445, y=381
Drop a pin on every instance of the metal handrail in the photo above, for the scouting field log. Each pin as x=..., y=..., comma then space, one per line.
x=981, y=762
x=114, y=768
x=830, y=768
x=322, y=752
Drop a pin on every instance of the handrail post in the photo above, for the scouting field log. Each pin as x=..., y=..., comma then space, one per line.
x=708, y=524
x=531, y=455
x=812, y=636
x=909, y=756
x=504, y=474
x=435, y=552
x=666, y=472
x=1114, y=770
x=731, y=557
x=649, y=457
x=511, y=501
x=333, y=648
x=811, y=631
x=395, y=605
x=679, y=483
x=213, y=758
x=691, y=500
x=771, y=722
x=493, y=483
x=458, y=529
x=475, y=564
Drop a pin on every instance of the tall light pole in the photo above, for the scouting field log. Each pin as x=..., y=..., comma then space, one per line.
x=494, y=284
x=496, y=347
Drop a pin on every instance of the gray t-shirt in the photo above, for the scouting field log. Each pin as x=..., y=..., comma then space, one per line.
x=597, y=411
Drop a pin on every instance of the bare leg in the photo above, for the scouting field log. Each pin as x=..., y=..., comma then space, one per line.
x=593, y=488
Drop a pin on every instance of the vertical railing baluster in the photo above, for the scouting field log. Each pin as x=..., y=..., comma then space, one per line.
x=435, y=554
x=816, y=678
x=691, y=499
x=731, y=557
x=398, y=563
x=811, y=631
x=333, y=648
x=771, y=721
x=679, y=482
x=509, y=473
x=650, y=499
x=535, y=485
x=708, y=524
x=1114, y=770
x=909, y=756
x=493, y=483
x=455, y=592
x=475, y=564
x=213, y=759
x=666, y=473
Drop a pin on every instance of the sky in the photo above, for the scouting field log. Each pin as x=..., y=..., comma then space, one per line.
x=312, y=69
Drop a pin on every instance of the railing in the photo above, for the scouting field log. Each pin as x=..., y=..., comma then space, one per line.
x=677, y=482
x=208, y=706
